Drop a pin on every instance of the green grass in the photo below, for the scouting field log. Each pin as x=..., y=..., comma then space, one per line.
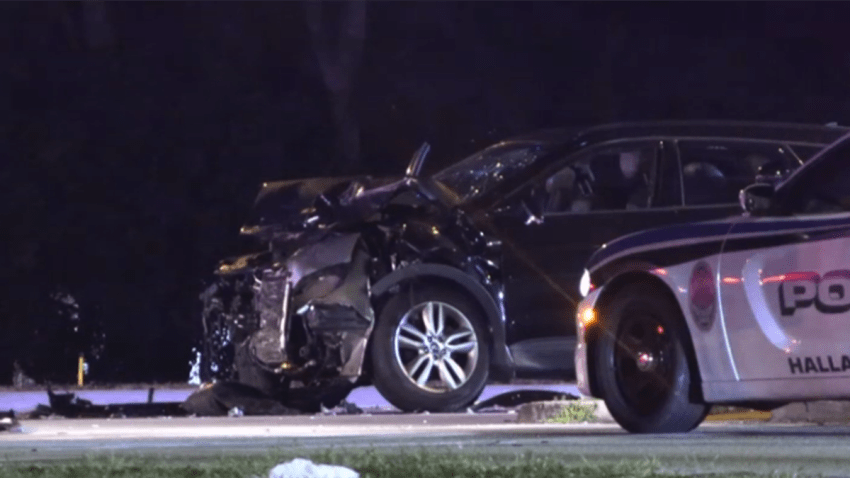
x=421, y=464
x=575, y=412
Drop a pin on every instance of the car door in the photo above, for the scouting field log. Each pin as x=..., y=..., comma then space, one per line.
x=785, y=283
x=586, y=200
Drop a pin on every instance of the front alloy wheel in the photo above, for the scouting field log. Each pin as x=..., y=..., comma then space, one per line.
x=429, y=350
x=436, y=347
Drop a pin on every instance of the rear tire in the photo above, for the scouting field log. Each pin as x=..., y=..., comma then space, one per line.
x=430, y=350
x=643, y=364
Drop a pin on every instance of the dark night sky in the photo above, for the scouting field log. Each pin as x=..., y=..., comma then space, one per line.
x=137, y=133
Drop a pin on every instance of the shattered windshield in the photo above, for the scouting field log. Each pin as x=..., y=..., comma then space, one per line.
x=488, y=168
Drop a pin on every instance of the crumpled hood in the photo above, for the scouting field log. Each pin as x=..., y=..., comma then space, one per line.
x=294, y=205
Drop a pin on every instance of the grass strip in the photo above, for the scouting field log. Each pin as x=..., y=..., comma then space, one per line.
x=377, y=464
x=575, y=412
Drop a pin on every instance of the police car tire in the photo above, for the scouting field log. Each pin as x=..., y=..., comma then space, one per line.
x=678, y=411
x=394, y=384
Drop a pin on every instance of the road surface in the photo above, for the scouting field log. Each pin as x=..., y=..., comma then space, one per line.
x=363, y=397
x=712, y=448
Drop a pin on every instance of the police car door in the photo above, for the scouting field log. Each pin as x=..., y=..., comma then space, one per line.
x=784, y=285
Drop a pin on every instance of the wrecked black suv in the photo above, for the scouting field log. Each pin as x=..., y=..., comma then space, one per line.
x=428, y=286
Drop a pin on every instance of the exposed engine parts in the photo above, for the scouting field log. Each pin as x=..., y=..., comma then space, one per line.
x=302, y=313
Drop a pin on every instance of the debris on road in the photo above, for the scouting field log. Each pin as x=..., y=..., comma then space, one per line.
x=303, y=468
x=234, y=399
x=514, y=399
x=68, y=405
x=217, y=399
x=8, y=421
x=344, y=408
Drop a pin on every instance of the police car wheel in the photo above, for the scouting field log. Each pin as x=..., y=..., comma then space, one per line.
x=642, y=363
x=429, y=350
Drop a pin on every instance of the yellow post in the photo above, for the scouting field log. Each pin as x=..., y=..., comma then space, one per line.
x=80, y=365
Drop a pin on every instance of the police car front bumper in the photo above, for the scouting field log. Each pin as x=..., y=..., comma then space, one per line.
x=586, y=316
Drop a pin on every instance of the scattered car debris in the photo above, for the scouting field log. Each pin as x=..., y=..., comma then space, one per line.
x=344, y=408
x=217, y=399
x=303, y=468
x=68, y=405
x=234, y=400
x=8, y=421
x=221, y=398
x=516, y=398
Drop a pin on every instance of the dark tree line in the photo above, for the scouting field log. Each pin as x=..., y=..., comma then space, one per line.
x=135, y=134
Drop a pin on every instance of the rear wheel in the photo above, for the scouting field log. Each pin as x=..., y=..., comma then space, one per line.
x=429, y=350
x=642, y=364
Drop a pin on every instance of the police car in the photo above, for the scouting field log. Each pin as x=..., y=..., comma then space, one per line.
x=753, y=310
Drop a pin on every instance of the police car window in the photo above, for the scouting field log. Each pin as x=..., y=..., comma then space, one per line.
x=612, y=179
x=714, y=172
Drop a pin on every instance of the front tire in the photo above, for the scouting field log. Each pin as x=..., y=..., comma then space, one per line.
x=430, y=351
x=642, y=363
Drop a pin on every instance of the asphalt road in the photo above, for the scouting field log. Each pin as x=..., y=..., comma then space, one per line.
x=363, y=397
x=713, y=447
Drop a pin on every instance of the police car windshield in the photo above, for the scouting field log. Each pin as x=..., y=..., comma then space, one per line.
x=822, y=185
x=813, y=163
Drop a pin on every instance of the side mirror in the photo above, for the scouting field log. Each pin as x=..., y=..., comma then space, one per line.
x=773, y=172
x=756, y=198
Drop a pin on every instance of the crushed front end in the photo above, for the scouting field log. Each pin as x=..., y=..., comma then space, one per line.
x=301, y=313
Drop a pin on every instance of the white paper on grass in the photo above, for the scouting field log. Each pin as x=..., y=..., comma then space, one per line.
x=302, y=468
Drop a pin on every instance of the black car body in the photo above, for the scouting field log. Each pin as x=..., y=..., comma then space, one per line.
x=429, y=286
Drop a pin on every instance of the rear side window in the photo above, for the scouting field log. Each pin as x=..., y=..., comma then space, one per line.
x=714, y=172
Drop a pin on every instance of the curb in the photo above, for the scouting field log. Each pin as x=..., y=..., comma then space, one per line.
x=543, y=412
x=816, y=412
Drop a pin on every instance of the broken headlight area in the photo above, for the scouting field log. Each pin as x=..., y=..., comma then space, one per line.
x=228, y=318
x=307, y=318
